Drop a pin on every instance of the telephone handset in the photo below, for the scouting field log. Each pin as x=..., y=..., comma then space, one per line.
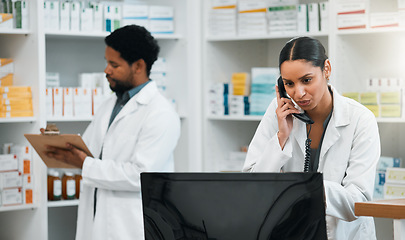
x=283, y=94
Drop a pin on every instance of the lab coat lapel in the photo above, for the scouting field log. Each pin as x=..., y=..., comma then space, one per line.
x=105, y=119
x=299, y=133
x=340, y=118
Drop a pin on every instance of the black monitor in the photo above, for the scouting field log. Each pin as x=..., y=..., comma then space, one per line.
x=233, y=206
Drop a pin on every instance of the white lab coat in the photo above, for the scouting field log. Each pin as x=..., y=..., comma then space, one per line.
x=348, y=158
x=141, y=138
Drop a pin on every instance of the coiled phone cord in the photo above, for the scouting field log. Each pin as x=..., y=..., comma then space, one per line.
x=307, y=151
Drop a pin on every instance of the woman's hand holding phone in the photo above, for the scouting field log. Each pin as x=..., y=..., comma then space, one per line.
x=285, y=107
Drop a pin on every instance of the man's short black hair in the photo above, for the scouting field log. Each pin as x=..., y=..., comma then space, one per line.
x=133, y=43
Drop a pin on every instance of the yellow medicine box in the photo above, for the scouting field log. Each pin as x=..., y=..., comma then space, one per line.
x=6, y=80
x=13, y=89
x=390, y=97
x=16, y=114
x=353, y=95
x=369, y=98
x=391, y=110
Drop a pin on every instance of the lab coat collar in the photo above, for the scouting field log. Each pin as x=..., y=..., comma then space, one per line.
x=340, y=117
x=141, y=98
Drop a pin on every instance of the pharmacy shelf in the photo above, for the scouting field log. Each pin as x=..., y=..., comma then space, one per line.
x=17, y=207
x=371, y=31
x=63, y=203
x=18, y=119
x=259, y=118
x=70, y=119
x=15, y=31
x=390, y=120
x=260, y=37
x=71, y=34
x=236, y=118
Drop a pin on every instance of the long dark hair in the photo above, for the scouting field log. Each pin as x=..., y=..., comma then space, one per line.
x=304, y=48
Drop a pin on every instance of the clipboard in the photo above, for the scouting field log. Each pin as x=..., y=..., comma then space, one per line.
x=40, y=141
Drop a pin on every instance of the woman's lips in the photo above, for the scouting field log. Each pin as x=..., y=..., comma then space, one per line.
x=303, y=103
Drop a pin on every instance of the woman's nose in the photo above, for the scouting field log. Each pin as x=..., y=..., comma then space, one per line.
x=301, y=92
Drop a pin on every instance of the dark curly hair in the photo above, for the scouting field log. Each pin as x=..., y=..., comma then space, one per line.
x=133, y=43
x=304, y=48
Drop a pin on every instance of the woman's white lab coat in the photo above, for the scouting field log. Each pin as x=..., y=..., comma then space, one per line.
x=348, y=158
x=141, y=138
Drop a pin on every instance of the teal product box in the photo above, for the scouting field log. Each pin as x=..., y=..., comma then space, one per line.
x=388, y=162
x=379, y=185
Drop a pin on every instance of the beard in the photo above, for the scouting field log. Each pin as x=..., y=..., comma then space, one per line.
x=120, y=87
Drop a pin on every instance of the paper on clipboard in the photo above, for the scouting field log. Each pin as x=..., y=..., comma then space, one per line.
x=40, y=141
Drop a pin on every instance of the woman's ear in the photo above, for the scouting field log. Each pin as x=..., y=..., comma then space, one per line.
x=327, y=69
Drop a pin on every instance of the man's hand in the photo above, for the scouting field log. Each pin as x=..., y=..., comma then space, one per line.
x=70, y=155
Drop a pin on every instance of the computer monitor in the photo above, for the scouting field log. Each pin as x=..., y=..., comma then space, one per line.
x=233, y=206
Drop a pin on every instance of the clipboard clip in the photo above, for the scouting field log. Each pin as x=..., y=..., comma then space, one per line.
x=51, y=130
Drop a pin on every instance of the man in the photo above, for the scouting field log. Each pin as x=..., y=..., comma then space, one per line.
x=136, y=130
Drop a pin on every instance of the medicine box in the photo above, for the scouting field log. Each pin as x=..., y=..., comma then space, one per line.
x=388, y=162
x=75, y=16
x=82, y=102
x=11, y=179
x=6, y=65
x=58, y=102
x=313, y=18
x=8, y=162
x=6, y=79
x=379, y=185
x=390, y=110
x=345, y=7
x=324, y=16
x=161, y=19
x=353, y=95
x=395, y=175
x=351, y=21
x=49, y=102
x=98, y=16
x=136, y=14
x=302, y=18
x=67, y=102
x=25, y=159
x=64, y=16
x=98, y=98
x=86, y=19
x=386, y=19
x=394, y=191
x=369, y=98
x=54, y=18
x=392, y=97
x=6, y=21
x=12, y=196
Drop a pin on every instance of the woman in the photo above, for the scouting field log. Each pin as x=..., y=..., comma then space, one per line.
x=345, y=144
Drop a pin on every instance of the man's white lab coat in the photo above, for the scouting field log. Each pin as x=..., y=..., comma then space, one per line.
x=348, y=158
x=141, y=138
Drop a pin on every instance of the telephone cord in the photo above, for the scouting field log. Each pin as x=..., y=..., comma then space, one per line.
x=307, y=151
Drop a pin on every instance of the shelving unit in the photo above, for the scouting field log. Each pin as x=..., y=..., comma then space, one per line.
x=25, y=47
x=63, y=203
x=194, y=61
x=16, y=120
x=356, y=55
x=37, y=51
